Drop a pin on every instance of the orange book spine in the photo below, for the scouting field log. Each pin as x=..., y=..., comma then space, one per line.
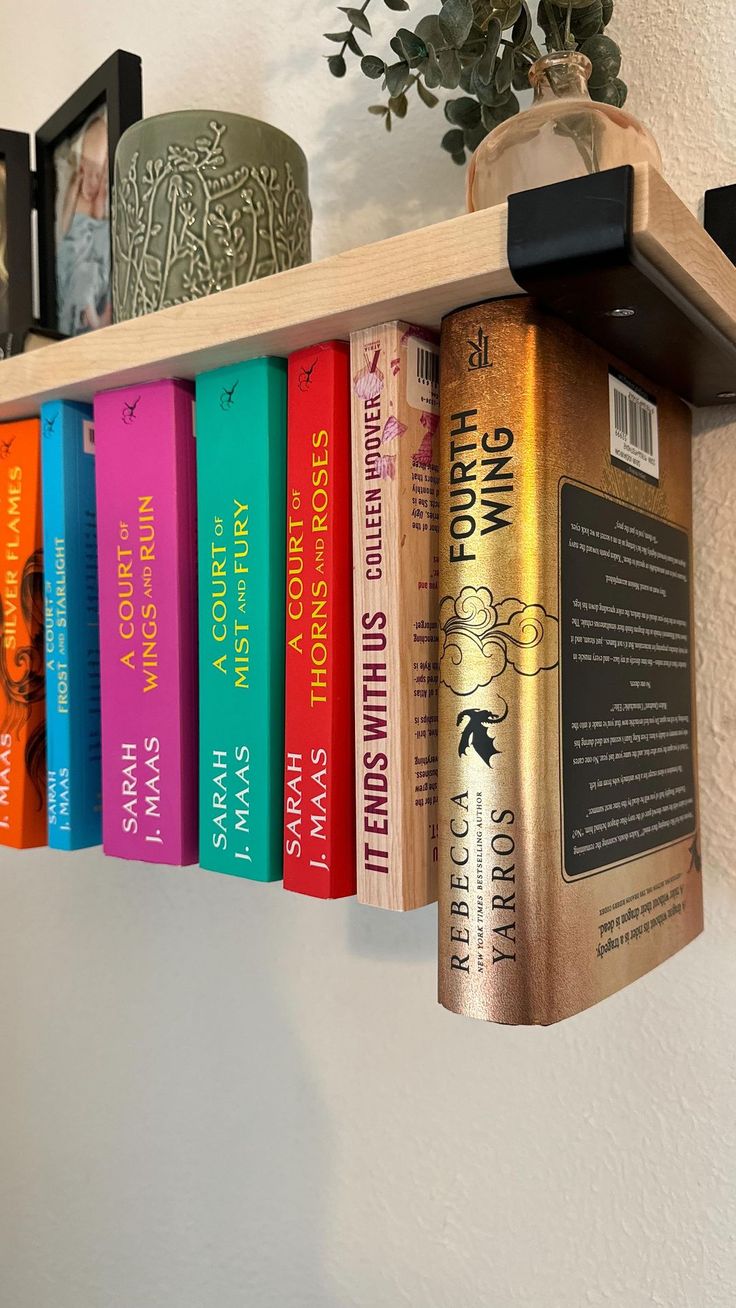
x=22, y=701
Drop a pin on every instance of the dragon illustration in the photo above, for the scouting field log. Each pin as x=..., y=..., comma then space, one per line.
x=129, y=411
x=305, y=376
x=696, y=863
x=475, y=732
x=28, y=689
x=227, y=398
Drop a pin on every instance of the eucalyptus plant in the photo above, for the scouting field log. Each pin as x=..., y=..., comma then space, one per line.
x=484, y=48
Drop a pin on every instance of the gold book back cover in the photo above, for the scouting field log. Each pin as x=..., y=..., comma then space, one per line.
x=569, y=860
x=395, y=416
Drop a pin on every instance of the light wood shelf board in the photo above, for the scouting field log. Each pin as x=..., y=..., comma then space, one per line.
x=419, y=276
x=672, y=240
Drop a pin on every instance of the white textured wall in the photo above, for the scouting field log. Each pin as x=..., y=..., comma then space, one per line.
x=215, y=1095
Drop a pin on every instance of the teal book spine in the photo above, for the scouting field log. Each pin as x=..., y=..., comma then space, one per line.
x=72, y=638
x=241, y=515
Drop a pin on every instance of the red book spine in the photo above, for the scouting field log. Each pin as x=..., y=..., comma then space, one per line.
x=319, y=765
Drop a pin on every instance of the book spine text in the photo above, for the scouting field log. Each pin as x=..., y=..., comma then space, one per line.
x=394, y=417
x=319, y=764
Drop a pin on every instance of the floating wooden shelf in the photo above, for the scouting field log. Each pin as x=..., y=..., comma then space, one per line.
x=418, y=276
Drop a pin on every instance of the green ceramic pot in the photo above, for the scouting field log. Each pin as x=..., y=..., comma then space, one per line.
x=203, y=201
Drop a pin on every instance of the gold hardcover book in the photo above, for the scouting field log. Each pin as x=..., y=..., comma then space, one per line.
x=395, y=416
x=569, y=860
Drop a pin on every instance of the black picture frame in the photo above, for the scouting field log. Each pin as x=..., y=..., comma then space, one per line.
x=17, y=203
x=117, y=84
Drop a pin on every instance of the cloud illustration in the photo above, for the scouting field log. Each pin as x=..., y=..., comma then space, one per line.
x=480, y=639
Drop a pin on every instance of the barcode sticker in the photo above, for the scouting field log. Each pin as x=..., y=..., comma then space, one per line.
x=88, y=437
x=423, y=375
x=634, y=427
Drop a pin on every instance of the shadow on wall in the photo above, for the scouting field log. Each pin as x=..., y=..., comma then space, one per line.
x=366, y=183
x=394, y=937
x=159, y=1111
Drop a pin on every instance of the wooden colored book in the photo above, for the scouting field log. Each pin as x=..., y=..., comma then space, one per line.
x=395, y=410
x=22, y=696
x=568, y=810
x=319, y=762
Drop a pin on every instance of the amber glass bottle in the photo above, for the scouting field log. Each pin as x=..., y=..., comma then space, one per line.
x=563, y=134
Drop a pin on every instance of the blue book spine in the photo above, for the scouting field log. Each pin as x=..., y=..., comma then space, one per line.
x=71, y=623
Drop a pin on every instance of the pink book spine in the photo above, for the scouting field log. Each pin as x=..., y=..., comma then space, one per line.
x=146, y=531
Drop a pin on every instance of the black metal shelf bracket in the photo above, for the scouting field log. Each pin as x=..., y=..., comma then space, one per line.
x=570, y=245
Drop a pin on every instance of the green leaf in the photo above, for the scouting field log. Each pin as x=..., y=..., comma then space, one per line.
x=505, y=71
x=485, y=68
x=449, y=62
x=549, y=20
x=387, y=122
x=372, y=66
x=486, y=93
x=429, y=31
x=493, y=115
x=453, y=141
x=607, y=12
x=509, y=108
x=604, y=94
x=456, y=20
x=605, y=57
x=399, y=105
x=337, y=65
x=613, y=92
x=352, y=44
x=463, y=112
x=377, y=109
x=543, y=18
x=340, y=37
x=397, y=78
x=588, y=21
x=520, y=79
x=396, y=5
x=426, y=96
x=412, y=47
x=507, y=12
x=522, y=29
x=466, y=78
x=432, y=70
x=488, y=117
x=473, y=137
x=358, y=19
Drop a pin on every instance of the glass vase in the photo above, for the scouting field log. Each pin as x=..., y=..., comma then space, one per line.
x=563, y=134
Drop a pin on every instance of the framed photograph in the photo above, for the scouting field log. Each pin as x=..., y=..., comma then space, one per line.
x=16, y=275
x=75, y=150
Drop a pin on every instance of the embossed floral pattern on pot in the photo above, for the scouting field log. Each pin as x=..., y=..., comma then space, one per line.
x=192, y=219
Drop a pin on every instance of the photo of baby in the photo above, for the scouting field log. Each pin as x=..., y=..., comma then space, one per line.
x=82, y=229
x=3, y=253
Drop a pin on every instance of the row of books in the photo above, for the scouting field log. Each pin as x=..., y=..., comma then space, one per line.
x=178, y=620
x=331, y=621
